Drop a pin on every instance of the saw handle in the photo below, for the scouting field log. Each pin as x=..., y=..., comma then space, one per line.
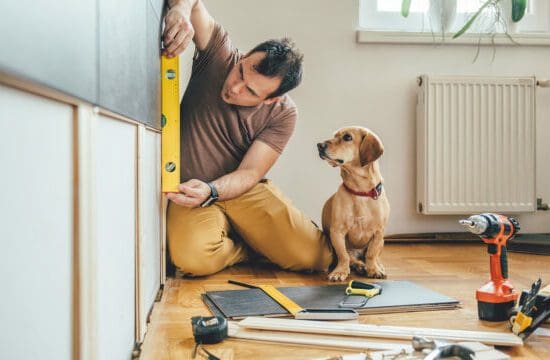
x=363, y=288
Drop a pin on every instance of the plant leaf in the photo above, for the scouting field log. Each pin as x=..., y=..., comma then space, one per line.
x=472, y=19
x=518, y=9
x=405, y=7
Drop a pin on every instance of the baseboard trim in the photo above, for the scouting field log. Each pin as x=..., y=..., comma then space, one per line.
x=526, y=243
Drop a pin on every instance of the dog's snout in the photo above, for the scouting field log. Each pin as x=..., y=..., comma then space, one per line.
x=322, y=146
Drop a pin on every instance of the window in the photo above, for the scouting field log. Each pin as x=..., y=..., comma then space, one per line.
x=385, y=15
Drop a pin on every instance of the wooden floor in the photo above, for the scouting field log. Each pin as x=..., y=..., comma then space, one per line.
x=452, y=269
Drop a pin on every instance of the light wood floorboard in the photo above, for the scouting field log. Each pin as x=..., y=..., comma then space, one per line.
x=455, y=270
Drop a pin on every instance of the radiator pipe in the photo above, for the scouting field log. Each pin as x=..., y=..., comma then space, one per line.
x=543, y=83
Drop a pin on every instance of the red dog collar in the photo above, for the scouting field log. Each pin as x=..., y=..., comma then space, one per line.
x=374, y=193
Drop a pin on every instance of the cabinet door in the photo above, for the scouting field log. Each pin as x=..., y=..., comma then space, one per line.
x=36, y=207
x=115, y=202
x=149, y=222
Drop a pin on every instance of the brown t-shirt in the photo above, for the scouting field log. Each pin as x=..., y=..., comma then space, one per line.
x=215, y=135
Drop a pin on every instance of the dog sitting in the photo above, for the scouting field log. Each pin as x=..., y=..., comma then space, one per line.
x=356, y=215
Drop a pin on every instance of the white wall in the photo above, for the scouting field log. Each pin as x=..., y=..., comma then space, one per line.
x=347, y=83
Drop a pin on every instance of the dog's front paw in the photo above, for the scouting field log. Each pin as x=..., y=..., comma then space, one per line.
x=339, y=274
x=376, y=273
x=374, y=270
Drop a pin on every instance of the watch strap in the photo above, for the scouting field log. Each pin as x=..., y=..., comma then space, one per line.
x=213, y=191
x=213, y=195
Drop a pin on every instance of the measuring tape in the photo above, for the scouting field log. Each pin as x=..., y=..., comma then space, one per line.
x=170, y=123
x=209, y=330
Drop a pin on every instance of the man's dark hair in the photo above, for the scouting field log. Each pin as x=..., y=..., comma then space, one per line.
x=283, y=60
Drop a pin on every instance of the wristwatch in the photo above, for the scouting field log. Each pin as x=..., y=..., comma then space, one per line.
x=213, y=196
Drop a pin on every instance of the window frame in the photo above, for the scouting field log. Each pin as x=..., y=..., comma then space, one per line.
x=371, y=19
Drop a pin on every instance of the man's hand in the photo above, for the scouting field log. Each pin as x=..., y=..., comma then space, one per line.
x=192, y=193
x=178, y=31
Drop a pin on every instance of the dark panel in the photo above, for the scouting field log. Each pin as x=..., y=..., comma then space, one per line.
x=51, y=42
x=154, y=17
x=123, y=58
x=158, y=6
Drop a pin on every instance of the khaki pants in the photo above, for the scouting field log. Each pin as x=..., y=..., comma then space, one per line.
x=203, y=241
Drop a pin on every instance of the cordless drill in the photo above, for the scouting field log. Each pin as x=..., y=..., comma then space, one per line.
x=496, y=298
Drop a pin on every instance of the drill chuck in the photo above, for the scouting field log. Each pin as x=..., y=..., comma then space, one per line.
x=489, y=225
x=477, y=224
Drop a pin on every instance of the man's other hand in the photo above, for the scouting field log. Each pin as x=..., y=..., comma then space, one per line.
x=178, y=32
x=192, y=193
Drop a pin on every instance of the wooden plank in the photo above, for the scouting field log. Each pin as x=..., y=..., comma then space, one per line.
x=331, y=341
x=163, y=248
x=85, y=219
x=139, y=327
x=379, y=331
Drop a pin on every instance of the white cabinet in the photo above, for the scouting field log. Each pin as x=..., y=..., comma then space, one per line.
x=80, y=231
x=36, y=227
x=149, y=199
x=115, y=220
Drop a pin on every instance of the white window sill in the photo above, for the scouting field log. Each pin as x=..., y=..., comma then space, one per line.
x=404, y=37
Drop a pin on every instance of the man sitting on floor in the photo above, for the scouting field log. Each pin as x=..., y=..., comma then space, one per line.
x=235, y=121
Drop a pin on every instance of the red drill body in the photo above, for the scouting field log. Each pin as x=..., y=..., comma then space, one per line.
x=497, y=297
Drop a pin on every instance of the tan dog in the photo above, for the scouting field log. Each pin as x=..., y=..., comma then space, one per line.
x=356, y=215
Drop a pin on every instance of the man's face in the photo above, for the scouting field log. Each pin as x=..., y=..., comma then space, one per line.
x=244, y=86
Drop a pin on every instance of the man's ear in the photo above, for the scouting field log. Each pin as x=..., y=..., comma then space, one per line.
x=272, y=100
x=371, y=148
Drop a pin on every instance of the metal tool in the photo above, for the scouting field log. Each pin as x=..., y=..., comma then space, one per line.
x=497, y=297
x=360, y=290
x=441, y=351
x=296, y=310
x=421, y=343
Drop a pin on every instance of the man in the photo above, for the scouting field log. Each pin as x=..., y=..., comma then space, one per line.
x=235, y=122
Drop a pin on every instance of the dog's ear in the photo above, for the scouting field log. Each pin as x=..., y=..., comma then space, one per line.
x=371, y=148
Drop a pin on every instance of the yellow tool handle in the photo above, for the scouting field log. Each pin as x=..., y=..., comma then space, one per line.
x=170, y=124
x=521, y=323
x=362, y=288
x=281, y=298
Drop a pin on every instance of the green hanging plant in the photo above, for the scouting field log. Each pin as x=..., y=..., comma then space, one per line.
x=518, y=11
x=405, y=7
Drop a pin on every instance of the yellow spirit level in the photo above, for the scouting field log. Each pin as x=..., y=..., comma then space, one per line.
x=170, y=124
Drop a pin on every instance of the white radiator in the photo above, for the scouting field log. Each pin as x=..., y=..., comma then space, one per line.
x=475, y=144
